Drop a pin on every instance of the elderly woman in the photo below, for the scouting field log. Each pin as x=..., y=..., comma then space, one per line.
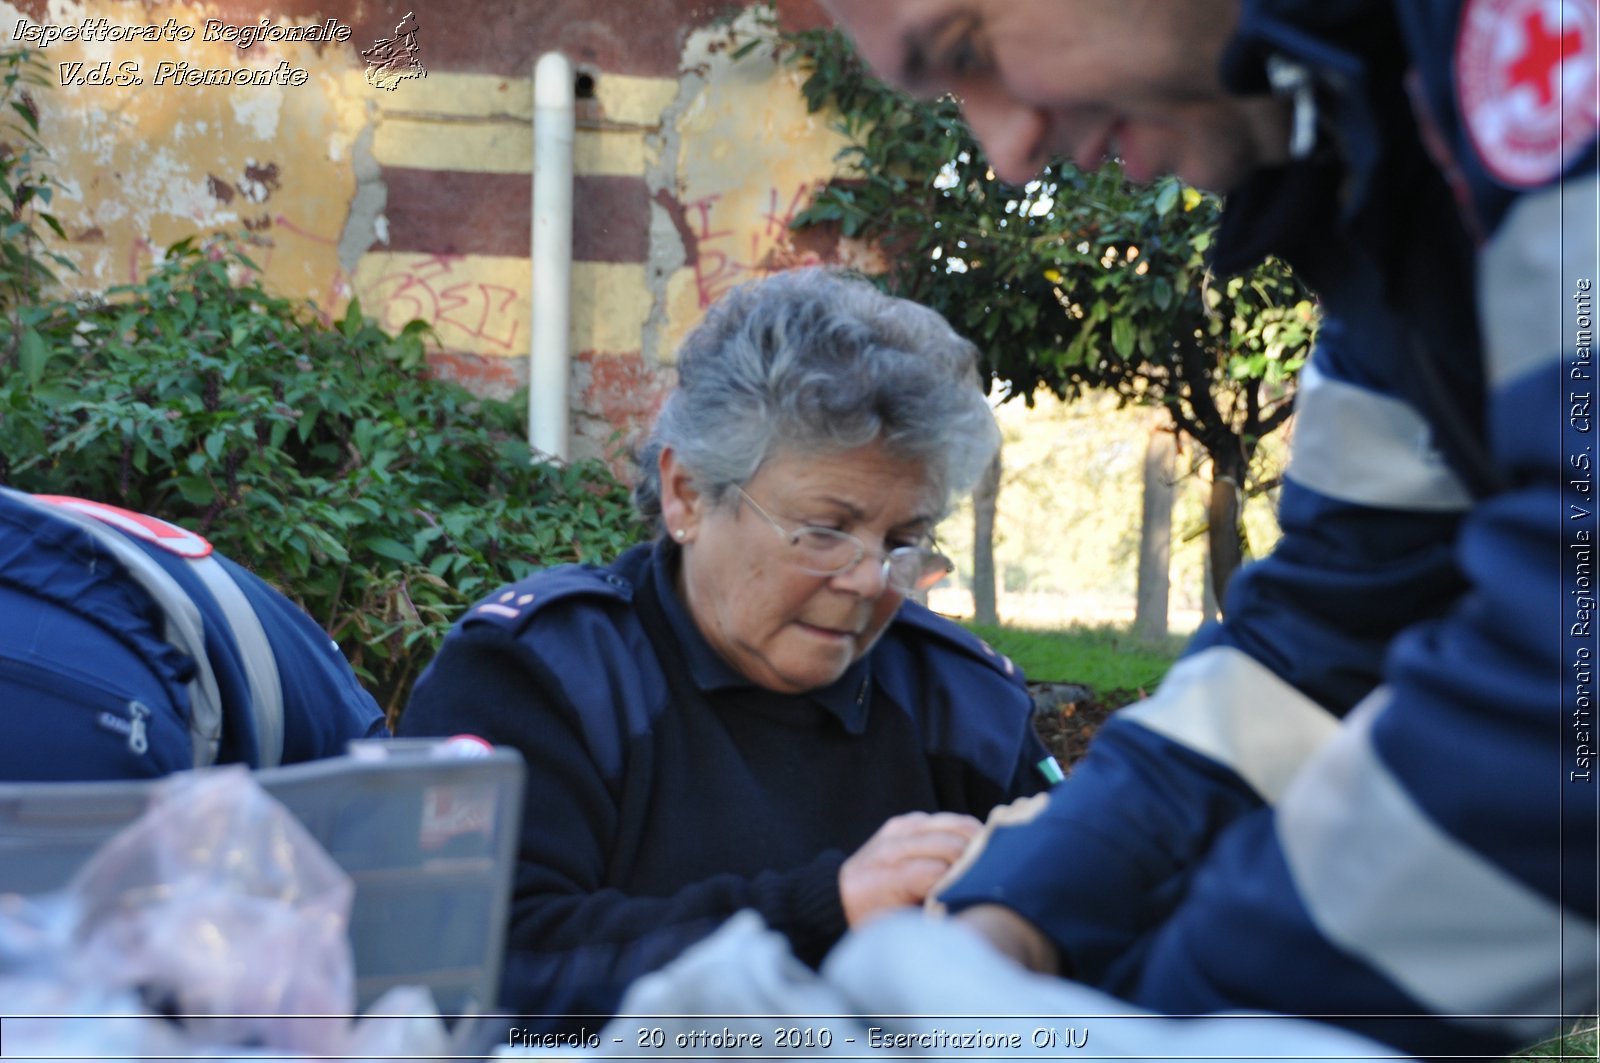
x=748, y=712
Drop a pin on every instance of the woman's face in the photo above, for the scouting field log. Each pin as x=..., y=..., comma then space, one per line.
x=782, y=628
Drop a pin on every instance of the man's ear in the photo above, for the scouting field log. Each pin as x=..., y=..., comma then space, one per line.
x=682, y=504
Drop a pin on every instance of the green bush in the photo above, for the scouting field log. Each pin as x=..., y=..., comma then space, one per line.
x=26, y=188
x=324, y=457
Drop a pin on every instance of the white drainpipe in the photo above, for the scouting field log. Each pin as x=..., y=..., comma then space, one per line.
x=549, y=359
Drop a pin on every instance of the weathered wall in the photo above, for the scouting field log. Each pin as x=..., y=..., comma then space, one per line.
x=416, y=197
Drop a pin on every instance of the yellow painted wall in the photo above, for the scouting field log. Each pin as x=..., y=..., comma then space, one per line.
x=475, y=303
x=728, y=142
x=145, y=163
x=749, y=158
x=731, y=142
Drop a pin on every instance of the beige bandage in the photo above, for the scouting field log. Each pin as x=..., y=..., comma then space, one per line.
x=1022, y=810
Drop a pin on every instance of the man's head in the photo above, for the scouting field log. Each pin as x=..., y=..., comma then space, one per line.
x=1080, y=80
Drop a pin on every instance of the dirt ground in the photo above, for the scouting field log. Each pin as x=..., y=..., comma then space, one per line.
x=1068, y=715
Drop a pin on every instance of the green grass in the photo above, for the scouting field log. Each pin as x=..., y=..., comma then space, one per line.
x=1103, y=658
x=1578, y=1043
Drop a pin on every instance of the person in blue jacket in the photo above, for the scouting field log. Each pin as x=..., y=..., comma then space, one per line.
x=129, y=649
x=749, y=712
x=1370, y=793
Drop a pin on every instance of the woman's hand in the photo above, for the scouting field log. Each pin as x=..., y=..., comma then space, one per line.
x=900, y=863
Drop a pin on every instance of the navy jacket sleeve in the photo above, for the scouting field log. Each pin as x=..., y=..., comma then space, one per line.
x=575, y=943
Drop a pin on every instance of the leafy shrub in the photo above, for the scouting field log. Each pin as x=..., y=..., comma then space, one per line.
x=26, y=189
x=324, y=457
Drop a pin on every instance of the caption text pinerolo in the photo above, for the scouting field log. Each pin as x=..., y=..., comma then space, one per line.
x=809, y=1038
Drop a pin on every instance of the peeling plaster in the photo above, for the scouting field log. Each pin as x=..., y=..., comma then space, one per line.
x=258, y=111
x=668, y=252
x=149, y=164
x=732, y=157
x=366, y=223
x=743, y=157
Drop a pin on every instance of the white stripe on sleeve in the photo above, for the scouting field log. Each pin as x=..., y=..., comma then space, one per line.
x=1224, y=704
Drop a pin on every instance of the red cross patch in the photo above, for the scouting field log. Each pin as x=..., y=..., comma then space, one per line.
x=1526, y=74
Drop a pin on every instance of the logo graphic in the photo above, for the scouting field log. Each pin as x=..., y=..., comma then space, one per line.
x=393, y=60
x=1526, y=74
x=451, y=811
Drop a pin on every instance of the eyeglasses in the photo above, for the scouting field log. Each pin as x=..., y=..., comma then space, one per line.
x=830, y=552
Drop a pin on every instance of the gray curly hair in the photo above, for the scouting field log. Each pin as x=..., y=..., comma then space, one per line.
x=813, y=361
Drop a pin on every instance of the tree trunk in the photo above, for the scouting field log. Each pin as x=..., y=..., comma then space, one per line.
x=1208, y=593
x=1155, y=535
x=1222, y=536
x=985, y=500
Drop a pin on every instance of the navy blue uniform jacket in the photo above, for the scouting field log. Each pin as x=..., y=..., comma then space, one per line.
x=650, y=819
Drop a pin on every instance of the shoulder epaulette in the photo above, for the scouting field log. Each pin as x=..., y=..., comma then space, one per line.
x=957, y=637
x=513, y=606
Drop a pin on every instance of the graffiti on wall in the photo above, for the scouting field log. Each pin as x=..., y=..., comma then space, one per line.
x=467, y=311
x=749, y=157
x=732, y=250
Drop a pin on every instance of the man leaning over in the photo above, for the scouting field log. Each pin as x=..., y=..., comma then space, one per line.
x=1366, y=794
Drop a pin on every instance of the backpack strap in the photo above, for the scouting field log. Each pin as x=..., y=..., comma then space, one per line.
x=110, y=527
x=255, y=651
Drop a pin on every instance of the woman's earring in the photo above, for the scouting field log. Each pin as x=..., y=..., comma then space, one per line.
x=679, y=534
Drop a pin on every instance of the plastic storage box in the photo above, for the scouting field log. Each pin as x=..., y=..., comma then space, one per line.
x=428, y=839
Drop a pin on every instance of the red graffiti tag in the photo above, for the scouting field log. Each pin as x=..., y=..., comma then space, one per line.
x=716, y=269
x=423, y=289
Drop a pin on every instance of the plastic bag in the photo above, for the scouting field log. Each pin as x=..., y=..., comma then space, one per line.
x=215, y=908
